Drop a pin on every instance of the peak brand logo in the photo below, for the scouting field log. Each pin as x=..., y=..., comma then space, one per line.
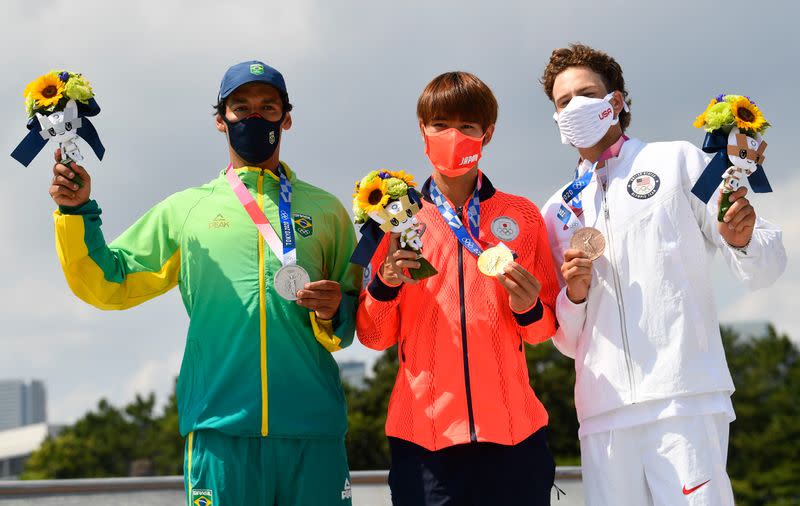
x=219, y=222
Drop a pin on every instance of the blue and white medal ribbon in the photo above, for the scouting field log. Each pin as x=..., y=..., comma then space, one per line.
x=454, y=222
x=285, y=212
x=571, y=196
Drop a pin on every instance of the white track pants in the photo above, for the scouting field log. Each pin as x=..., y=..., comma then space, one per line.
x=675, y=461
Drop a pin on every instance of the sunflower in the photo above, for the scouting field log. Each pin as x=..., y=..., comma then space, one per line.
x=404, y=176
x=46, y=90
x=747, y=115
x=373, y=195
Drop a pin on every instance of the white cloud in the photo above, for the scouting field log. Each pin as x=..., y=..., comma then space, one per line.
x=67, y=407
x=155, y=375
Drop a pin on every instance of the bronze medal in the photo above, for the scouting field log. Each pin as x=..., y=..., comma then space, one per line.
x=590, y=241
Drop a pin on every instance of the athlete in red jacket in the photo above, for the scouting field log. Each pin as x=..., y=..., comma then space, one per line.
x=463, y=420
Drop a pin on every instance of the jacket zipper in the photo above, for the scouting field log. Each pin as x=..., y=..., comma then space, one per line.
x=473, y=437
x=617, y=288
x=262, y=305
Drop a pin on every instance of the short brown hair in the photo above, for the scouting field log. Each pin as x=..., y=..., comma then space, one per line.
x=578, y=55
x=457, y=95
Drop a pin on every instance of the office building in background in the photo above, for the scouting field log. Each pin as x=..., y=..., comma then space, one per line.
x=22, y=403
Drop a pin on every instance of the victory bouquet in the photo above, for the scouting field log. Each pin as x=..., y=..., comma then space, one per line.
x=386, y=202
x=58, y=106
x=733, y=125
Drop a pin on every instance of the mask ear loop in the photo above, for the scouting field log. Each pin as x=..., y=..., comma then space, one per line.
x=625, y=107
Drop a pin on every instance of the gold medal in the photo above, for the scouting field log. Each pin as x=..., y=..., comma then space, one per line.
x=492, y=261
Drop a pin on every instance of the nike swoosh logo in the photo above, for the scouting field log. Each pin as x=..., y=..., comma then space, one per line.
x=689, y=491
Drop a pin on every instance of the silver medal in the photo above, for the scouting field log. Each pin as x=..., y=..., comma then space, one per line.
x=289, y=280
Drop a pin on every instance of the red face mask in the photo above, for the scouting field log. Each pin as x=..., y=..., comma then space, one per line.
x=453, y=153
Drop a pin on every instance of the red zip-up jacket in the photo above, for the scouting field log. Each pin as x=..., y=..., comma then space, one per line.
x=463, y=375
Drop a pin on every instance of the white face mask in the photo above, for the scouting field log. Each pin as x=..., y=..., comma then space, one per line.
x=584, y=121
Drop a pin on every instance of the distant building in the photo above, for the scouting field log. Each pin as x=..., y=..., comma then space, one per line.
x=22, y=403
x=353, y=373
x=17, y=445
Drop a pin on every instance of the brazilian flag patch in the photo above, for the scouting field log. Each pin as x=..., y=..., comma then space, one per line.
x=202, y=498
x=303, y=224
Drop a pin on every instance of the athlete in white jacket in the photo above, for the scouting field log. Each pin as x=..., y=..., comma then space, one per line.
x=652, y=388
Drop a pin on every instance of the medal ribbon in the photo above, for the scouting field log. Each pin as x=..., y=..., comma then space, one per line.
x=571, y=195
x=285, y=249
x=454, y=222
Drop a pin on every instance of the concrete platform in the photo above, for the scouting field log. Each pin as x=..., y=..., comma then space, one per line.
x=369, y=489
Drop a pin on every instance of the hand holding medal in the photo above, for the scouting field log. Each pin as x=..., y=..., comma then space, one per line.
x=586, y=245
x=523, y=288
x=323, y=297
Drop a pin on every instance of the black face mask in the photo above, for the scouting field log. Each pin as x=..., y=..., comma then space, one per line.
x=253, y=138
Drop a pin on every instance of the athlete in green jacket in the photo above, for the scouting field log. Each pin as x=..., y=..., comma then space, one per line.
x=259, y=397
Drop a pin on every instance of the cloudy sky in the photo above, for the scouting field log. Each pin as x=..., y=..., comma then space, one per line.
x=354, y=71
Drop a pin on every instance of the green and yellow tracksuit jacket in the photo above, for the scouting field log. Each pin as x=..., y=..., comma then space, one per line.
x=254, y=364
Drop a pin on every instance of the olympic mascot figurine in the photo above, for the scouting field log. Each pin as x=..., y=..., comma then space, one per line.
x=58, y=106
x=386, y=202
x=733, y=125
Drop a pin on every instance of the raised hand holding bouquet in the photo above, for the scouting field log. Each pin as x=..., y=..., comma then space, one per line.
x=733, y=125
x=386, y=202
x=58, y=105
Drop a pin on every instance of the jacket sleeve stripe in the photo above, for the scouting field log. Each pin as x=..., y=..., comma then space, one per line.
x=324, y=333
x=95, y=280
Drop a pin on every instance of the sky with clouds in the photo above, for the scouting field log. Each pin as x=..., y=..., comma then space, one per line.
x=354, y=71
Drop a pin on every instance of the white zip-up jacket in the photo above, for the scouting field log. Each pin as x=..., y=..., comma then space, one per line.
x=648, y=329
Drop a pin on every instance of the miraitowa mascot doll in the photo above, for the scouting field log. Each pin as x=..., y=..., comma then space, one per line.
x=58, y=105
x=386, y=202
x=733, y=125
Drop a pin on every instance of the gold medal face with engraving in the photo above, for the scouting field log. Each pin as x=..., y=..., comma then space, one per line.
x=492, y=261
x=590, y=241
